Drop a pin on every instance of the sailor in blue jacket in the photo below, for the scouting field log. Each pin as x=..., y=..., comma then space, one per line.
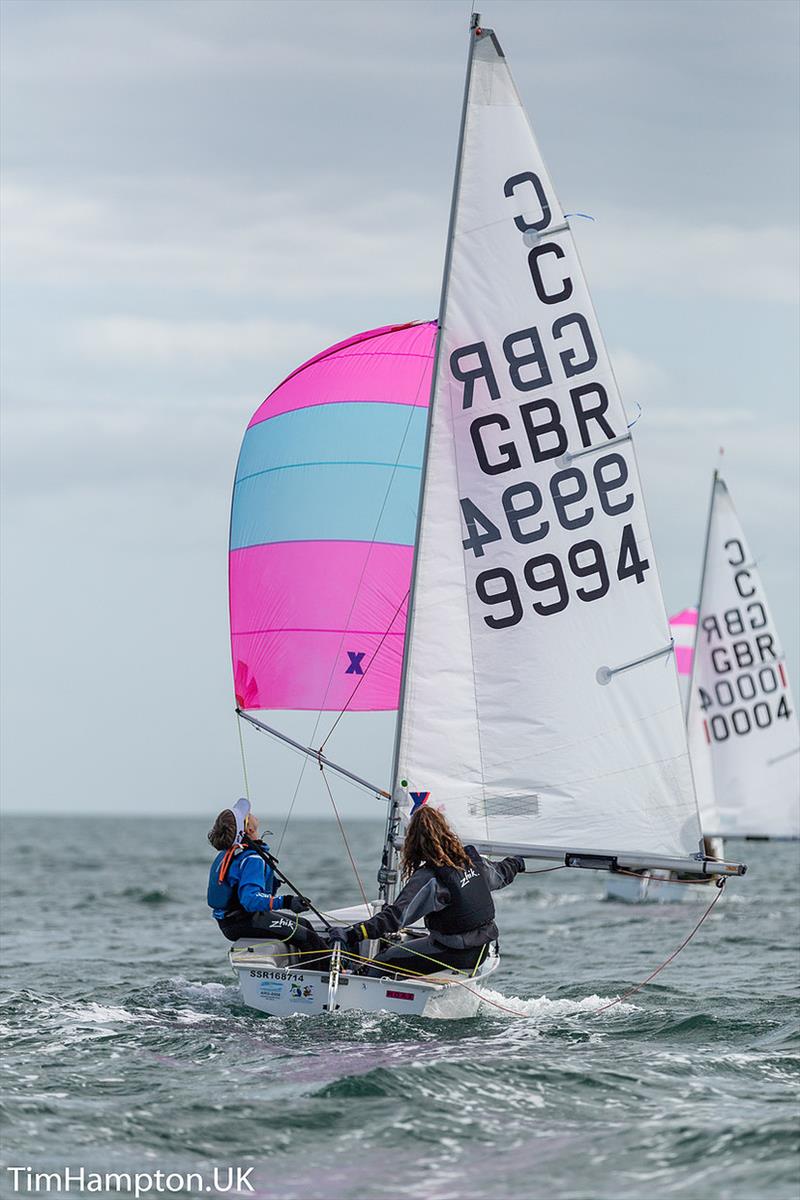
x=242, y=887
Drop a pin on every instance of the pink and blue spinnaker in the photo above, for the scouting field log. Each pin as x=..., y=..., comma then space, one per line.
x=322, y=526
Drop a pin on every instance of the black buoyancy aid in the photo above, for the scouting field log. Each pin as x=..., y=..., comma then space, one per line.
x=223, y=893
x=471, y=905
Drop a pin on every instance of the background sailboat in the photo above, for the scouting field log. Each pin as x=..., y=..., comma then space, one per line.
x=740, y=701
x=742, y=727
x=538, y=700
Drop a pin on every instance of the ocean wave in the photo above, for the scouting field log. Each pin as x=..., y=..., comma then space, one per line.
x=543, y=1008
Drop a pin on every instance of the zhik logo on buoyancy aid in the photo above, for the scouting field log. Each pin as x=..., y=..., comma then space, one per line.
x=471, y=905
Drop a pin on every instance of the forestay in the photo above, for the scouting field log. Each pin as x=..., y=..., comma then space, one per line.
x=322, y=526
x=541, y=704
x=740, y=698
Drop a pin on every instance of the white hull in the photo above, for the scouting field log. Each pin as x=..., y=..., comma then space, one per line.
x=272, y=986
x=652, y=888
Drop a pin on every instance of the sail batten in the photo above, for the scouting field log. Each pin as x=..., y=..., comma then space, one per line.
x=535, y=572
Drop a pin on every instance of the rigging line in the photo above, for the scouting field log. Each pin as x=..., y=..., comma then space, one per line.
x=406, y=973
x=604, y=1007
x=425, y=977
x=638, y=987
x=389, y=485
x=244, y=760
x=395, y=467
x=659, y=879
x=294, y=794
x=363, y=675
x=344, y=836
x=306, y=758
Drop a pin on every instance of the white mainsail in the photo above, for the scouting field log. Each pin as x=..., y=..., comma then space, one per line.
x=540, y=705
x=740, y=702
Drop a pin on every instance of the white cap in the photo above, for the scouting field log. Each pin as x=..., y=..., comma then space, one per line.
x=241, y=810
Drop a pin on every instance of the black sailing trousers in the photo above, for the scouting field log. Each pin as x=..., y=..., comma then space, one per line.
x=280, y=927
x=424, y=956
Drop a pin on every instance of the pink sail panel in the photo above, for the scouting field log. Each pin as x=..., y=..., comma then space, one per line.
x=322, y=526
x=290, y=637
x=684, y=631
x=371, y=366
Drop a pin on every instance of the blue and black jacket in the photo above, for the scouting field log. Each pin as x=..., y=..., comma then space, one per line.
x=248, y=884
x=455, y=905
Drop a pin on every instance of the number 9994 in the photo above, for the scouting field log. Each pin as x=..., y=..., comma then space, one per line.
x=546, y=577
x=568, y=502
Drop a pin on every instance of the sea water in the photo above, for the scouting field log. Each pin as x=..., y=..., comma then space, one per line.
x=127, y=1047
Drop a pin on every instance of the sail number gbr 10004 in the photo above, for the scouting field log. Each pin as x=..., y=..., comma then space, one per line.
x=586, y=574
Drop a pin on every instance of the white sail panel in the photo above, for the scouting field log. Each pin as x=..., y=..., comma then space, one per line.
x=683, y=627
x=741, y=699
x=703, y=770
x=535, y=579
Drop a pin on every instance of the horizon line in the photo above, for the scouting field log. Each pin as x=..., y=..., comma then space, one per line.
x=161, y=816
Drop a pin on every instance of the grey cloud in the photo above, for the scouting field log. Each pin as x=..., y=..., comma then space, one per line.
x=199, y=196
x=232, y=241
x=378, y=85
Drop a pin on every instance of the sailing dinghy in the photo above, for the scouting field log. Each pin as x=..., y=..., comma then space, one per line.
x=536, y=691
x=740, y=702
x=744, y=738
x=665, y=887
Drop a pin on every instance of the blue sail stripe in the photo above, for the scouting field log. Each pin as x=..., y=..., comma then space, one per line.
x=334, y=472
x=332, y=501
x=345, y=432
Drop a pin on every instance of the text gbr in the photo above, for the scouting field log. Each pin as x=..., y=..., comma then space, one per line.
x=747, y=689
x=573, y=498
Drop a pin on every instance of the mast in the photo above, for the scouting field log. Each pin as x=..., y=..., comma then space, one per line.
x=387, y=875
x=534, y=710
x=702, y=589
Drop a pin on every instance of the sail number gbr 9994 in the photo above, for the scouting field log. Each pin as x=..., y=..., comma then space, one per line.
x=542, y=441
x=571, y=501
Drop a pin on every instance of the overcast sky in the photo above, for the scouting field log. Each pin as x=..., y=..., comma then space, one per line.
x=197, y=196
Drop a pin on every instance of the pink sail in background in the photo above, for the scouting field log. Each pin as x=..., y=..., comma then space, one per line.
x=322, y=526
x=684, y=630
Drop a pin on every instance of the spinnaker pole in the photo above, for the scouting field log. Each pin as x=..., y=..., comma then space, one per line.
x=317, y=755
